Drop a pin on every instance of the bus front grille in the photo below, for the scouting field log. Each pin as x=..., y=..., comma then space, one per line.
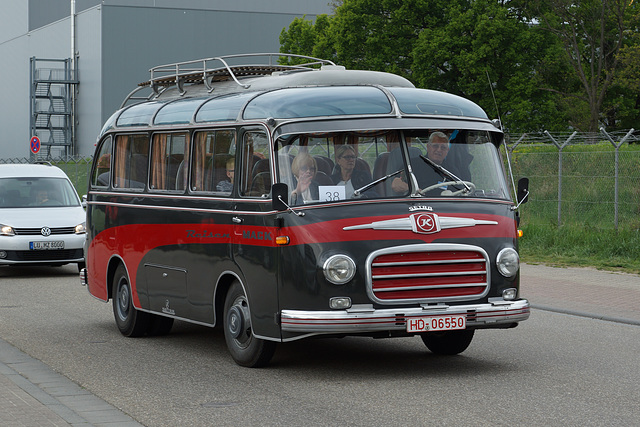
x=438, y=273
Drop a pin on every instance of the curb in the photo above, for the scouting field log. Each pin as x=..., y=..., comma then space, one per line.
x=586, y=314
x=54, y=393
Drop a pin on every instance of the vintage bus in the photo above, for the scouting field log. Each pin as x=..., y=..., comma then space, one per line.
x=288, y=201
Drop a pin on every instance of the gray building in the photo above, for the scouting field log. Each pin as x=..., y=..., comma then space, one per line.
x=116, y=43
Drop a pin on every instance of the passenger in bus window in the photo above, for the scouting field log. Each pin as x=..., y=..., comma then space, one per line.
x=437, y=150
x=227, y=185
x=345, y=172
x=304, y=170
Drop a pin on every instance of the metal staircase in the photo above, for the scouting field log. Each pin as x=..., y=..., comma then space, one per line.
x=51, y=91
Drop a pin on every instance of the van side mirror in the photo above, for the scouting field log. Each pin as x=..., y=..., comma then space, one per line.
x=523, y=191
x=279, y=195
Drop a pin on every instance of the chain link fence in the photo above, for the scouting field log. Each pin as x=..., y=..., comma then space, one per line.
x=589, y=179
x=77, y=169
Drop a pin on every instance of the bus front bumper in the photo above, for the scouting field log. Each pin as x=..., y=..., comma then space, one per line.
x=496, y=313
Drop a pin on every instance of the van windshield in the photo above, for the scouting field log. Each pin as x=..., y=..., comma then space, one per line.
x=327, y=167
x=37, y=193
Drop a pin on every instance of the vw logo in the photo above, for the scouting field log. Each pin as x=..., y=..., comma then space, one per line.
x=45, y=231
x=425, y=223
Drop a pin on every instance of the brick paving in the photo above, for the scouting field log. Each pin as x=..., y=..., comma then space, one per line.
x=33, y=395
x=19, y=408
x=582, y=291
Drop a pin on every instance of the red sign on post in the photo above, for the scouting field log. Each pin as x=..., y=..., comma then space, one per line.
x=35, y=145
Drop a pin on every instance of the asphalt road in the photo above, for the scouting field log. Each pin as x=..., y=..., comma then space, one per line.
x=554, y=369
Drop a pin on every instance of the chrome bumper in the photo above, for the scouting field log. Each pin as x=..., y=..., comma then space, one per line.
x=363, y=318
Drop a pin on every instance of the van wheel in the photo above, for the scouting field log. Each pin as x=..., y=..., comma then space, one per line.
x=246, y=349
x=130, y=322
x=448, y=343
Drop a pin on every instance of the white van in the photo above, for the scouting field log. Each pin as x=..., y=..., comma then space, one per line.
x=42, y=221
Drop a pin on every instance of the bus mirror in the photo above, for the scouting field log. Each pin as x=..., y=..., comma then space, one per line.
x=280, y=193
x=523, y=191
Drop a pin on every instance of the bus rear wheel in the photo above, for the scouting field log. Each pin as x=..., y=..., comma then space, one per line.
x=245, y=348
x=448, y=343
x=130, y=322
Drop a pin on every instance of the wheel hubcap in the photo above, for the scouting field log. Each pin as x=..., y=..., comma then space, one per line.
x=239, y=322
x=123, y=300
x=235, y=321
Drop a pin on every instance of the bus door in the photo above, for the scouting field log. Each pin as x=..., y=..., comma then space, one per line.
x=181, y=275
x=254, y=248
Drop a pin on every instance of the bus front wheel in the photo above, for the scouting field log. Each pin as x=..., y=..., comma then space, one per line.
x=245, y=348
x=448, y=343
x=130, y=322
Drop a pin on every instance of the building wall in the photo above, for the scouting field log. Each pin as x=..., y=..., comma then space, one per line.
x=117, y=42
x=134, y=39
x=89, y=107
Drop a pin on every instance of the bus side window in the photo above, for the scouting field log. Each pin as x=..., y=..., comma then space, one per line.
x=102, y=172
x=131, y=161
x=255, y=176
x=211, y=170
x=168, y=152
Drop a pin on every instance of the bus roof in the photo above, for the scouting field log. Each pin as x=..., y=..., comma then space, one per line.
x=196, y=92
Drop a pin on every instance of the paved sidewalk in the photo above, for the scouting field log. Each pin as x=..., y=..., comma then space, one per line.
x=32, y=394
x=582, y=292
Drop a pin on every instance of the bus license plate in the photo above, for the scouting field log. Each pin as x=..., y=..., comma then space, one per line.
x=43, y=246
x=436, y=323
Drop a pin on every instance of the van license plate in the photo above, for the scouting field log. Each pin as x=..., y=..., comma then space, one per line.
x=436, y=323
x=40, y=246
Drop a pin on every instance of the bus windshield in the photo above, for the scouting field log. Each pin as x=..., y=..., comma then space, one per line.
x=328, y=167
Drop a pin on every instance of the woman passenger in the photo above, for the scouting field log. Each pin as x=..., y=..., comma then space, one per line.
x=345, y=172
x=304, y=169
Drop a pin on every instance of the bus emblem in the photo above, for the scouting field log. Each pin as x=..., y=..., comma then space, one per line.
x=425, y=223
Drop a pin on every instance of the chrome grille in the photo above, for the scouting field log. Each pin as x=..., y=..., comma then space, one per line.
x=38, y=232
x=428, y=273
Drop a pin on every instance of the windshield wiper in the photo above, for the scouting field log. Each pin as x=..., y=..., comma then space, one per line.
x=371, y=184
x=441, y=170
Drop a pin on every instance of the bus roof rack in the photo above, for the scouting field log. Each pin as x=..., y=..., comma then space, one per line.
x=210, y=70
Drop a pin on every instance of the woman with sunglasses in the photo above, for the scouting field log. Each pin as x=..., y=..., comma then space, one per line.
x=345, y=172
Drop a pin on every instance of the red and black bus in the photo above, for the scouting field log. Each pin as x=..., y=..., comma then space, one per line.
x=289, y=201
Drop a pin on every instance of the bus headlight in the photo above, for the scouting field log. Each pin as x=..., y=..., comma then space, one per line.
x=508, y=262
x=339, y=269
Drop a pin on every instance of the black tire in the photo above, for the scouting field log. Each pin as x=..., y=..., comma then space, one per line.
x=159, y=325
x=448, y=343
x=245, y=348
x=130, y=322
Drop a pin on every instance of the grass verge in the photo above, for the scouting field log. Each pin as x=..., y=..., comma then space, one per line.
x=581, y=246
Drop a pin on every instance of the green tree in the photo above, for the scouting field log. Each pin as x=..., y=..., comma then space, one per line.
x=592, y=33
x=486, y=50
x=624, y=106
x=551, y=63
x=304, y=37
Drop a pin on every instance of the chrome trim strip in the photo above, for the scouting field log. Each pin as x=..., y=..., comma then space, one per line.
x=415, y=288
x=479, y=316
x=452, y=261
x=185, y=209
x=416, y=275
